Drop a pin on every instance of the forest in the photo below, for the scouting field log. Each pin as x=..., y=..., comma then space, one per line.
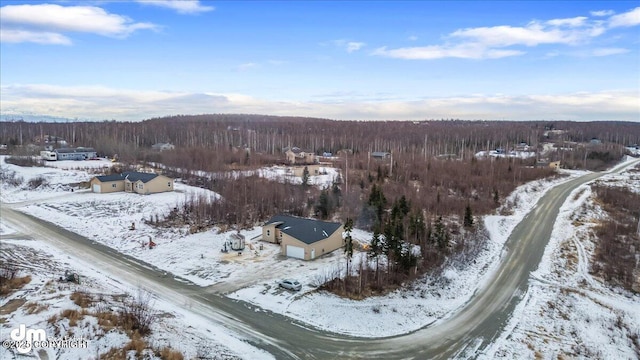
x=420, y=201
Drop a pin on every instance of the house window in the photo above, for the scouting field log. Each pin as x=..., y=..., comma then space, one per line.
x=113, y=185
x=169, y=184
x=268, y=232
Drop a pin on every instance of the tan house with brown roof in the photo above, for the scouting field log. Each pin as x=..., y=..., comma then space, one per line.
x=141, y=183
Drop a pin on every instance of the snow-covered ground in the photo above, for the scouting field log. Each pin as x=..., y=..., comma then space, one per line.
x=325, y=177
x=430, y=299
x=41, y=302
x=567, y=312
x=252, y=276
x=506, y=154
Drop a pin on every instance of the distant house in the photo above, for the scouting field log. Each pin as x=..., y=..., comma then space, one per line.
x=51, y=140
x=380, y=155
x=523, y=147
x=302, y=238
x=162, y=146
x=546, y=163
x=313, y=170
x=595, y=141
x=79, y=153
x=141, y=183
x=297, y=156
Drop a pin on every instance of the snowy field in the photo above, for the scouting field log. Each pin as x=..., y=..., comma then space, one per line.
x=253, y=275
x=567, y=312
x=506, y=154
x=45, y=298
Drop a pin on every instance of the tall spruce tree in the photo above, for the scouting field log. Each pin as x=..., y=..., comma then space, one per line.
x=468, y=217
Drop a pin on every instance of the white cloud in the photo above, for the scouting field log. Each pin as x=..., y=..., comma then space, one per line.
x=45, y=23
x=462, y=51
x=412, y=38
x=493, y=42
x=247, y=66
x=570, y=22
x=354, y=46
x=19, y=36
x=348, y=46
x=609, y=51
x=181, y=6
x=602, y=13
x=533, y=34
x=99, y=103
x=630, y=18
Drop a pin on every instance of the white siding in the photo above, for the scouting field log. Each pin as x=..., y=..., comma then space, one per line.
x=295, y=252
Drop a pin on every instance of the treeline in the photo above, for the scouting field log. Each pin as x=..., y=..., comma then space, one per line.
x=618, y=241
x=243, y=202
x=266, y=136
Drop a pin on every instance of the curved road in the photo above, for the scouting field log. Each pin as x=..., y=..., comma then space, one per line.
x=462, y=335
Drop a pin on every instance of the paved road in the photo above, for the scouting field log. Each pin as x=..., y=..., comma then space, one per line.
x=462, y=335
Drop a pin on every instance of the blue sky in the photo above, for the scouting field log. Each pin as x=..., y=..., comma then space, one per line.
x=382, y=60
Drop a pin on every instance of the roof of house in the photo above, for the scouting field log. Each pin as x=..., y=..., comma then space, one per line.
x=75, y=150
x=308, y=231
x=380, y=154
x=132, y=176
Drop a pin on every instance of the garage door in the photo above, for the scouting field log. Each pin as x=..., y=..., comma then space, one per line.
x=96, y=188
x=295, y=252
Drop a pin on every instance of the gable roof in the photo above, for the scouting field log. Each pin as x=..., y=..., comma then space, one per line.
x=380, y=154
x=308, y=231
x=132, y=176
x=75, y=150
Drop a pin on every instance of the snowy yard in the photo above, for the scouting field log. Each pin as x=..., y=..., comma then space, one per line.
x=46, y=303
x=252, y=276
x=567, y=311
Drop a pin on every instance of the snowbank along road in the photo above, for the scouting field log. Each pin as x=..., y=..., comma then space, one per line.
x=463, y=335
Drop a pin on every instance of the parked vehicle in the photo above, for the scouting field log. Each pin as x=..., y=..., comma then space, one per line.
x=291, y=284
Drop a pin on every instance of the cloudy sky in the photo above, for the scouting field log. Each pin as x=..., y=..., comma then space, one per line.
x=414, y=60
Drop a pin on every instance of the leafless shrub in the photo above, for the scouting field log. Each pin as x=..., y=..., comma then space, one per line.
x=137, y=314
x=25, y=161
x=9, y=280
x=10, y=177
x=167, y=353
x=82, y=299
x=35, y=308
x=36, y=182
x=617, y=247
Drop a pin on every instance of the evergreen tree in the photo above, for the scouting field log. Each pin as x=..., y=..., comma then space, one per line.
x=305, y=177
x=377, y=200
x=440, y=234
x=468, y=217
x=324, y=206
x=375, y=250
x=417, y=227
x=337, y=194
x=348, y=247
